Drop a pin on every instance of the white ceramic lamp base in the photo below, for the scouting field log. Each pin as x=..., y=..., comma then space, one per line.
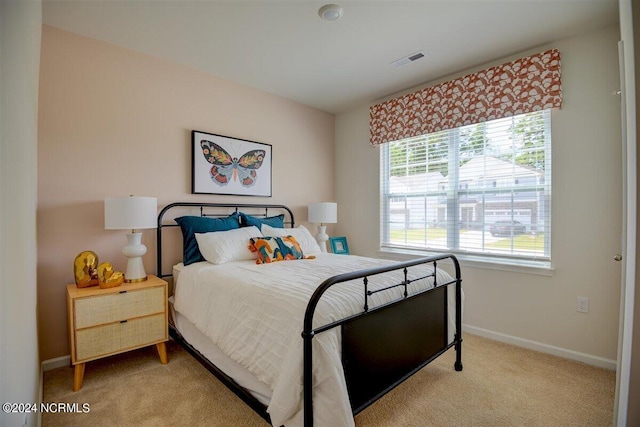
x=322, y=237
x=134, y=251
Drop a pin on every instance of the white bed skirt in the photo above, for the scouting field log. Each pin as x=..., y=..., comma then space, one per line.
x=208, y=349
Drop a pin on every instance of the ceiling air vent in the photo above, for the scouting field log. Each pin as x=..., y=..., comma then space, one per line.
x=408, y=59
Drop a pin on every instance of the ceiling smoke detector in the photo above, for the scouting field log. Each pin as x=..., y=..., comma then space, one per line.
x=331, y=12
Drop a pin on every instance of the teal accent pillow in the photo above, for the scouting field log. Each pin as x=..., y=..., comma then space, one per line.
x=201, y=224
x=273, y=221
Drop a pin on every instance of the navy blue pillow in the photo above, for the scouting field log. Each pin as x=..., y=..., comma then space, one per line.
x=273, y=221
x=201, y=224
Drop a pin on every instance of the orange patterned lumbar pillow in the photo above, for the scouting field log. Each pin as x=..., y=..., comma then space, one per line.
x=272, y=249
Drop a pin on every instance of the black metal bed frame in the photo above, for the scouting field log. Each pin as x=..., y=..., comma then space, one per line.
x=411, y=331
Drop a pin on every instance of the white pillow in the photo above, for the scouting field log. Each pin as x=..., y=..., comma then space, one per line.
x=219, y=247
x=307, y=242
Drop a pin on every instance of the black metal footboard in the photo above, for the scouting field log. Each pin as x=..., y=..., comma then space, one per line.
x=385, y=345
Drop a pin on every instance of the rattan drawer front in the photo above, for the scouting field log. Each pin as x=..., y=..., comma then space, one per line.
x=97, y=310
x=116, y=337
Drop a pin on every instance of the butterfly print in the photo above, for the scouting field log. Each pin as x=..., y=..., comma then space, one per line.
x=226, y=168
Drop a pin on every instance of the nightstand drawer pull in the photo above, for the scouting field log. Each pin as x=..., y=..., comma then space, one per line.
x=101, y=309
x=122, y=292
x=123, y=321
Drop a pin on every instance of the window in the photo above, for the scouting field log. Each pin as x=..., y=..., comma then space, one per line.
x=482, y=189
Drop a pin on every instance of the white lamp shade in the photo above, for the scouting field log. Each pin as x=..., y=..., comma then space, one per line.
x=130, y=213
x=323, y=213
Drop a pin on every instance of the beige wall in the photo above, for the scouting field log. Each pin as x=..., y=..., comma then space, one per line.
x=586, y=212
x=114, y=122
x=20, y=26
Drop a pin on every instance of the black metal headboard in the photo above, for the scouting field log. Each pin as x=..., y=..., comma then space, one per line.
x=218, y=210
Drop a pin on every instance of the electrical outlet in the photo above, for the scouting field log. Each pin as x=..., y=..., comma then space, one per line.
x=582, y=305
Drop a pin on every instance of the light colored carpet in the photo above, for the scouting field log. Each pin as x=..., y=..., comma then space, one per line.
x=501, y=385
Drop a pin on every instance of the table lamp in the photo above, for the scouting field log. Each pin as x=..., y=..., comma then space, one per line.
x=323, y=213
x=132, y=213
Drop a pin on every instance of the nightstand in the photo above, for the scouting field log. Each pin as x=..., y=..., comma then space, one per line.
x=104, y=322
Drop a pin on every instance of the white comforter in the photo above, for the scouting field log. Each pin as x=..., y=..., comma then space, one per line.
x=254, y=313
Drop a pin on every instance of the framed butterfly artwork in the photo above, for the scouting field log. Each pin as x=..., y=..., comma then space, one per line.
x=226, y=165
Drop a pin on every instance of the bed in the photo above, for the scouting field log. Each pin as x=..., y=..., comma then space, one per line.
x=309, y=341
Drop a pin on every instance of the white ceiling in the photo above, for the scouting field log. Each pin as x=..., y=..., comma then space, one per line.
x=284, y=48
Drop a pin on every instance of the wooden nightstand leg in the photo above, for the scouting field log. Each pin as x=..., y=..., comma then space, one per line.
x=162, y=352
x=78, y=375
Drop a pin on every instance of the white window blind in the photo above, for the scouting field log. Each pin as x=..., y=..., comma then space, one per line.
x=482, y=189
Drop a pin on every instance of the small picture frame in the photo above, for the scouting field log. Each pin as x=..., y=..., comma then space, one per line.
x=339, y=245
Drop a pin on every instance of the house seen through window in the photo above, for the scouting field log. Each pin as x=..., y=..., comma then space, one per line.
x=482, y=189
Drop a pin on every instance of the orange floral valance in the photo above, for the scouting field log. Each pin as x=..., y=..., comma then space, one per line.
x=521, y=86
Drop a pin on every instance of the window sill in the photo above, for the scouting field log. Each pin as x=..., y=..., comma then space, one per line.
x=541, y=268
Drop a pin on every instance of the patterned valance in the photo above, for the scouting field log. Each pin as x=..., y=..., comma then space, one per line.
x=521, y=86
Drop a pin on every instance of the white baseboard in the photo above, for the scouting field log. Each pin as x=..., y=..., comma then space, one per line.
x=600, y=362
x=58, y=362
